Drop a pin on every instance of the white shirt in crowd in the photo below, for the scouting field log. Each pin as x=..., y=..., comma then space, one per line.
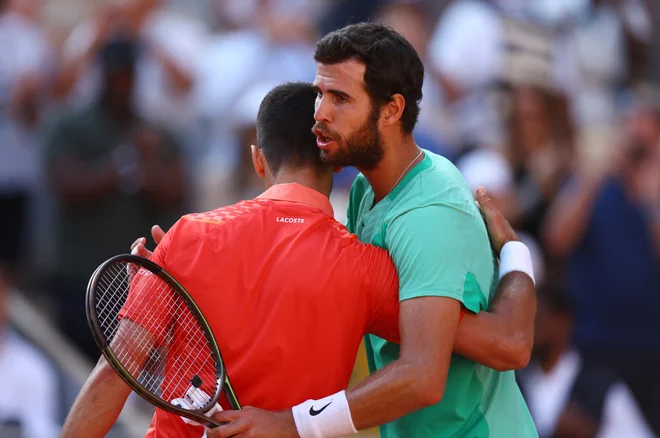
x=28, y=383
x=24, y=51
x=548, y=393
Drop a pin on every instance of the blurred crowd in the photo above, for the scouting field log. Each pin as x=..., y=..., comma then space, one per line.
x=116, y=115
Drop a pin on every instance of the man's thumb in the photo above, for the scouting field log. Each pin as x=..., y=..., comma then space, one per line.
x=157, y=233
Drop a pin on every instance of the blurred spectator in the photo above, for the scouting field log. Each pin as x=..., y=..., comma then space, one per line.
x=540, y=149
x=473, y=65
x=246, y=183
x=491, y=170
x=166, y=70
x=343, y=12
x=113, y=177
x=568, y=397
x=264, y=41
x=26, y=63
x=228, y=181
x=652, y=68
x=28, y=382
x=606, y=222
x=595, y=62
x=408, y=17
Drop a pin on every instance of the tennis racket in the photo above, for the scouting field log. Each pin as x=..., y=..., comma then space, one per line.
x=155, y=337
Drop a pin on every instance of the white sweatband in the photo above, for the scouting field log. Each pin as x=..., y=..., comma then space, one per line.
x=329, y=417
x=515, y=256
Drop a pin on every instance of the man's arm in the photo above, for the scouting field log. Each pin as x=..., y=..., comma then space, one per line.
x=412, y=382
x=98, y=405
x=501, y=338
x=417, y=378
x=102, y=398
x=434, y=264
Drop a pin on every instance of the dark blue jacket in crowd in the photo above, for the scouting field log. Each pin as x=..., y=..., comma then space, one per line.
x=614, y=276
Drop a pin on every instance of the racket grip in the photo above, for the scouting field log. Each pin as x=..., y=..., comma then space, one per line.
x=215, y=409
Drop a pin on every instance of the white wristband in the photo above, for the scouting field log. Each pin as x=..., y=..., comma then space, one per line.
x=516, y=257
x=329, y=417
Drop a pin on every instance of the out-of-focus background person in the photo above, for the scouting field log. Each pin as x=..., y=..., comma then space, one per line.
x=119, y=114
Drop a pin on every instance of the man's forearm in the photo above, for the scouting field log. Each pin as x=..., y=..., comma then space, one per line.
x=501, y=338
x=418, y=377
x=98, y=405
x=386, y=395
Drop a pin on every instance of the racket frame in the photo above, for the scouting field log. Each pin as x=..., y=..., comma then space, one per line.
x=92, y=319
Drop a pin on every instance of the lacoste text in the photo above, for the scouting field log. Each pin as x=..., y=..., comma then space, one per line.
x=291, y=220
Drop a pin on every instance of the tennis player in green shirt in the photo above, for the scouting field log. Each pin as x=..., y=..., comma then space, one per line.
x=418, y=206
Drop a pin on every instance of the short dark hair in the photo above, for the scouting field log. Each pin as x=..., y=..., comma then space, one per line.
x=392, y=64
x=284, y=127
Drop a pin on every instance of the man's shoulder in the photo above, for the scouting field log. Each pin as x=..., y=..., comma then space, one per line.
x=443, y=177
x=440, y=185
x=227, y=213
x=195, y=227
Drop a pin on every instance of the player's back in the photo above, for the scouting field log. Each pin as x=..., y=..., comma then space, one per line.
x=285, y=288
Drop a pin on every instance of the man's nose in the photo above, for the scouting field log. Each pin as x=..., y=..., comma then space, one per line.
x=322, y=112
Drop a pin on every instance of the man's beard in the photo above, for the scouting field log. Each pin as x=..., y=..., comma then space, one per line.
x=361, y=150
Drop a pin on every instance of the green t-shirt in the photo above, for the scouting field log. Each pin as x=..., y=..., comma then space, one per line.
x=434, y=232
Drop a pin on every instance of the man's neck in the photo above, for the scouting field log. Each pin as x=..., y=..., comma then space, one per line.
x=400, y=157
x=305, y=177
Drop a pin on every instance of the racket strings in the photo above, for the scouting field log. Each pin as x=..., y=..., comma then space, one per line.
x=154, y=334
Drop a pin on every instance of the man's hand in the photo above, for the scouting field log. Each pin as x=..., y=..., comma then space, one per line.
x=138, y=247
x=254, y=423
x=499, y=230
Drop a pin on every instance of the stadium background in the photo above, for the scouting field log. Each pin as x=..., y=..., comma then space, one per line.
x=520, y=94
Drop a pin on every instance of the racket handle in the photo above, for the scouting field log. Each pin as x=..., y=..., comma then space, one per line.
x=215, y=409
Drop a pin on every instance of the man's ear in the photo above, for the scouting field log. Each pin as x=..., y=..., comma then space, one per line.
x=258, y=161
x=392, y=111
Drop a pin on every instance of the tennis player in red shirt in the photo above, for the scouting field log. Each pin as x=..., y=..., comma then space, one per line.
x=288, y=292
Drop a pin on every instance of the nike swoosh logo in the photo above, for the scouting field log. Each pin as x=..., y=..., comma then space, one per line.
x=313, y=412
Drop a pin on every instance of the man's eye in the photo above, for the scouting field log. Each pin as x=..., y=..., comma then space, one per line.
x=341, y=99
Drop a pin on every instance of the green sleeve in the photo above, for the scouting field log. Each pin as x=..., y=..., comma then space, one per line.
x=440, y=250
